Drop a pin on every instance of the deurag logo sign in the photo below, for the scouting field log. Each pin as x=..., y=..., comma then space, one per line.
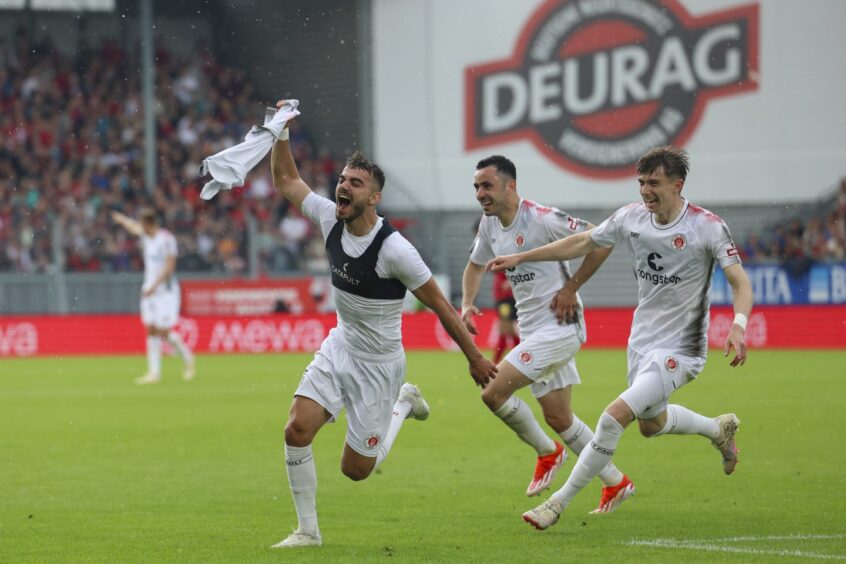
x=596, y=83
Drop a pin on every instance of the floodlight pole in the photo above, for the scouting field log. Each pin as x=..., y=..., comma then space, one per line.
x=148, y=72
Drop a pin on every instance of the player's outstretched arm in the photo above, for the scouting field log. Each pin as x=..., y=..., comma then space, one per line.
x=574, y=246
x=565, y=302
x=470, y=284
x=286, y=177
x=127, y=223
x=481, y=369
x=741, y=289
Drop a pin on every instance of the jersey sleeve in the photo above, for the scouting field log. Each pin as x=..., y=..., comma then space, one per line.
x=560, y=224
x=170, y=247
x=609, y=232
x=481, y=251
x=403, y=262
x=721, y=245
x=321, y=211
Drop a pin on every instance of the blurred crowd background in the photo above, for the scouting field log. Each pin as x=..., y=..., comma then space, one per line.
x=72, y=150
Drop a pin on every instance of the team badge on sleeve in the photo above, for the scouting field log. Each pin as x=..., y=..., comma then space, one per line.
x=679, y=241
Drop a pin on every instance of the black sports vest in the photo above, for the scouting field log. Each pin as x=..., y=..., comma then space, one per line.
x=358, y=275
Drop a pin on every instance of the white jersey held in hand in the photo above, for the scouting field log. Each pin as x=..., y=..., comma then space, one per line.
x=534, y=283
x=673, y=265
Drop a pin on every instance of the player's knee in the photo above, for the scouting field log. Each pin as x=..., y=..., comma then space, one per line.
x=296, y=434
x=559, y=422
x=648, y=428
x=355, y=472
x=491, y=399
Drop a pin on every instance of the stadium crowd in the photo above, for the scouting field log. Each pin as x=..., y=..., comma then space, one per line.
x=798, y=244
x=72, y=151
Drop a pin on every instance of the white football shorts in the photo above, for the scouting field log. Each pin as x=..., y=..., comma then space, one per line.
x=549, y=363
x=367, y=386
x=654, y=377
x=160, y=310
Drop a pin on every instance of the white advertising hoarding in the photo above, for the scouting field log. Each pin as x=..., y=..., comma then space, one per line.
x=575, y=90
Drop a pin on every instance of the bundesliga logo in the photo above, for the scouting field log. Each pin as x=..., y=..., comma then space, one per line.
x=596, y=83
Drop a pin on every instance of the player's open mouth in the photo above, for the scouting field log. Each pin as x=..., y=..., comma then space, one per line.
x=486, y=203
x=343, y=202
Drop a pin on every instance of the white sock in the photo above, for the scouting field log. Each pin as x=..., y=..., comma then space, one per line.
x=177, y=343
x=682, y=421
x=398, y=417
x=517, y=415
x=302, y=478
x=154, y=354
x=592, y=460
x=577, y=437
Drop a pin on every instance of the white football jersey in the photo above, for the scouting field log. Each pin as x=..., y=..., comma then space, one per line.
x=534, y=283
x=156, y=251
x=369, y=325
x=673, y=265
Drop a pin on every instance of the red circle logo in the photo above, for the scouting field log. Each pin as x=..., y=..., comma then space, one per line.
x=679, y=242
x=671, y=364
x=526, y=357
x=519, y=240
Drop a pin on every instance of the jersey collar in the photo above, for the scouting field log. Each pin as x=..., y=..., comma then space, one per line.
x=674, y=223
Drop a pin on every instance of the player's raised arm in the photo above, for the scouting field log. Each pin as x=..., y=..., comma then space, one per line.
x=481, y=369
x=127, y=223
x=286, y=177
x=574, y=246
x=470, y=284
x=741, y=290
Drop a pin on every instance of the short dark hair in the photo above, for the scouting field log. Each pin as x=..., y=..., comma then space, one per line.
x=674, y=161
x=360, y=162
x=502, y=164
x=148, y=216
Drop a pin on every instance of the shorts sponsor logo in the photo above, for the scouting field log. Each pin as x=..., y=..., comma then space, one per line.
x=671, y=364
x=593, y=84
x=519, y=240
x=679, y=241
x=526, y=357
x=372, y=441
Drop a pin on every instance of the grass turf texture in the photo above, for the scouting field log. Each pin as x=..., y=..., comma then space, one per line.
x=94, y=468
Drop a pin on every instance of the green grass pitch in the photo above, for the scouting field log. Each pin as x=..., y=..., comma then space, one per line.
x=96, y=469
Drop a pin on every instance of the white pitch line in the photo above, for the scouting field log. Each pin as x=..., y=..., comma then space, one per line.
x=772, y=537
x=709, y=546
